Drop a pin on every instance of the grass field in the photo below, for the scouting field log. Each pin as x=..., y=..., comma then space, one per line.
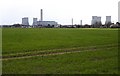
x=101, y=57
x=0, y=50
x=21, y=40
x=102, y=61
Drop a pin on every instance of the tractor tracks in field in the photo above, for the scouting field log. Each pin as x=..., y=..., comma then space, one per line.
x=54, y=52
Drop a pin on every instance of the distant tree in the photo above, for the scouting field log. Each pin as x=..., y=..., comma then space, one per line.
x=60, y=26
x=16, y=25
x=87, y=26
x=78, y=26
x=118, y=23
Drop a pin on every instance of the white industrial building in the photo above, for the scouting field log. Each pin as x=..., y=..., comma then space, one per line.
x=108, y=19
x=47, y=23
x=42, y=23
x=25, y=21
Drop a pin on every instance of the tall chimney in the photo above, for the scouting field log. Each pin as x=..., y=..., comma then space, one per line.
x=41, y=15
x=72, y=21
x=80, y=22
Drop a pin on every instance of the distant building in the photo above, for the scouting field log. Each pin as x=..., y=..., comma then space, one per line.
x=34, y=21
x=25, y=21
x=96, y=21
x=47, y=23
x=108, y=21
x=99, y=19
x=42, y=23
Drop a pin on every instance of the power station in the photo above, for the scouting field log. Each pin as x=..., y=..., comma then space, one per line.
x=95, y=22
x=43, y=23
x=40, y=23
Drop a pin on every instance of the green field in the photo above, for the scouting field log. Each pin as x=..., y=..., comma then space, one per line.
x=99, y=51
x=0, y=50
x=21, y=40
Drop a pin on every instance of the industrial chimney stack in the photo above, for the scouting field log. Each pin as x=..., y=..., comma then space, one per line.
x=72, y=21
x=80, y=22
x=41, y=14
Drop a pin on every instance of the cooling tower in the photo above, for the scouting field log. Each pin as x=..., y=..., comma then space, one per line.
x=25, y=21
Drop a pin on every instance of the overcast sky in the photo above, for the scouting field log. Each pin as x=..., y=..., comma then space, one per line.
x=61, y=11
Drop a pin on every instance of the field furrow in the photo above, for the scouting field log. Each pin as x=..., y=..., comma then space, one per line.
x=55, y=52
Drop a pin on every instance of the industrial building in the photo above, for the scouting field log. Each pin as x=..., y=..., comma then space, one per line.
x=34, y=21
x=25, y=21
x=108, y=19
x=47, y=23
x=42, y=23
x=96, y=21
